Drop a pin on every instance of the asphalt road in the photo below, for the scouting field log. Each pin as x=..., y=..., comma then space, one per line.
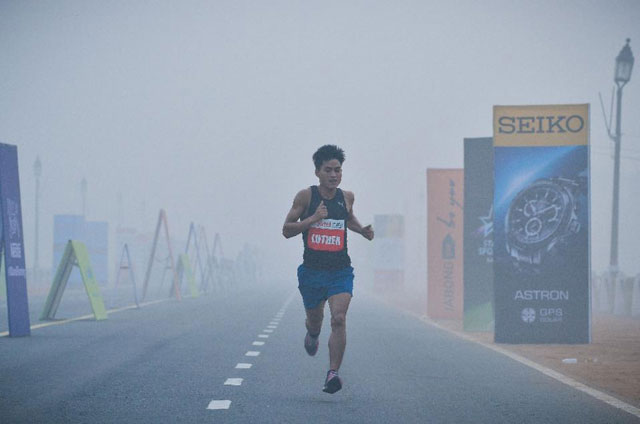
x=169, y=361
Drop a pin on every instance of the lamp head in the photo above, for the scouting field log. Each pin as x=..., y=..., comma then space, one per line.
x=624, y=64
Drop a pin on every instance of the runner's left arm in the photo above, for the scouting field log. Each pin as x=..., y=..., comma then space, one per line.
x=352, y=223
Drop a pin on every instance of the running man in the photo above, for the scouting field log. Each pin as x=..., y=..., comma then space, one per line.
x=322, y=214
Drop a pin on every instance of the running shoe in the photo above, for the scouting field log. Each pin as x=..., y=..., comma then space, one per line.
x=311, y=344
x=333, y=383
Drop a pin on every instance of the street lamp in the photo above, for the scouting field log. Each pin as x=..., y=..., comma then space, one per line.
x=624, y=66
x=83, y=190
x=37, y=171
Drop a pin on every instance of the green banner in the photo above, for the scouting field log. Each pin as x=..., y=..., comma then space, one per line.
x=478, y=234
x=75, y=254
x=3, y=281
x=185, y=268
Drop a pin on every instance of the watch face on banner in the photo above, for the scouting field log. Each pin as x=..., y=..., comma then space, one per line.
x=536, y=213
x=542, y=208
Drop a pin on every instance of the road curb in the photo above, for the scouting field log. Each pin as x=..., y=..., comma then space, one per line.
x=604, y=397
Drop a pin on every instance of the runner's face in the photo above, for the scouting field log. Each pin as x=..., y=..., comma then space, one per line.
x=330, y=174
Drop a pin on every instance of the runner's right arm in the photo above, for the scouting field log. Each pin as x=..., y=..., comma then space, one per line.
x=292, y=224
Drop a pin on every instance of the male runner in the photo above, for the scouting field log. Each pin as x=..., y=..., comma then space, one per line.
x=322, y=214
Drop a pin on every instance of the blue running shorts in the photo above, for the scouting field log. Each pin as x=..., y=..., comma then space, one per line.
x=316, y=285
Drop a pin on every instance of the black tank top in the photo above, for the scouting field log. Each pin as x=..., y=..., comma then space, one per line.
x=325, y=242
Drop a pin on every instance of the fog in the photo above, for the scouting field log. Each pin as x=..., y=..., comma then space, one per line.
x=212, y=109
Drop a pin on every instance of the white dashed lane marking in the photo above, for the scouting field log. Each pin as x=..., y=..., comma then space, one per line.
x=243, y=366
x=219, y=404
x=273, y=324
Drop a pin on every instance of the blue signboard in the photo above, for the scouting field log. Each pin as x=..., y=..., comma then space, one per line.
x=97, y=241
x=94, y=234
x=12, y=243
x=65, y=228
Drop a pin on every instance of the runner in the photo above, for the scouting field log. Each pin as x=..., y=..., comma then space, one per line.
x=322, y=214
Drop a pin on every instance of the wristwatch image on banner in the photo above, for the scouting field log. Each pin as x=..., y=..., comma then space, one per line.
x=544, y=213
x=542, y=220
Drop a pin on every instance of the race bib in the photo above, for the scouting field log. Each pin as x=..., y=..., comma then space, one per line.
x=327, y=235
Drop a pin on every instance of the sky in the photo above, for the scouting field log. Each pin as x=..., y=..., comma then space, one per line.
x=212, y=109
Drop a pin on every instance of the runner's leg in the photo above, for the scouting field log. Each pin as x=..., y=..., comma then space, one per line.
x=338, y=304
x=314, y=319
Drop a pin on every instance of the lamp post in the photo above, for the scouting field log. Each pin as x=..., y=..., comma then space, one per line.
x=37, y=171
x=83, y=191
x=624, y=66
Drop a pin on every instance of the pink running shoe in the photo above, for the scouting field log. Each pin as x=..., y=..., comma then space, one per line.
x=333, y=383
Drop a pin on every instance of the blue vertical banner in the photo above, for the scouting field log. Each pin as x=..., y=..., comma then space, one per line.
x=12, y=243
x=541, y=224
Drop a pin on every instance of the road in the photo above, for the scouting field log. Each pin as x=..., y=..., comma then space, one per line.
x=168, y=362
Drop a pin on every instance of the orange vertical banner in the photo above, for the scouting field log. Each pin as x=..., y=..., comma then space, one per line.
x=445, y=190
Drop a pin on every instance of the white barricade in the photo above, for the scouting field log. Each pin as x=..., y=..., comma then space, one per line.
x=595, y=292
x=620, y=301
x=605, y=293
x=635, y=297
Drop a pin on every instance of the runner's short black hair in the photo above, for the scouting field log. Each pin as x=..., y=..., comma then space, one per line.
x=327, y=152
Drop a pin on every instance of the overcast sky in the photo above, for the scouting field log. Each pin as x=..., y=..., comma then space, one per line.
x=212, y=109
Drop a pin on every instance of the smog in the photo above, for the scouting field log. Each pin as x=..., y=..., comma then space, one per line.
x=208, y=113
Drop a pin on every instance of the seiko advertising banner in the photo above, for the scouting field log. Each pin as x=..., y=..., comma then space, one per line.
x=478, y=234
x=388, y=252
x=541, y=224
x=13, y=243
x=445, y=189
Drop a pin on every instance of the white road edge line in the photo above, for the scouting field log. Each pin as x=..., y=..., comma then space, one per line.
x=88, y=316
x=616, y=403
